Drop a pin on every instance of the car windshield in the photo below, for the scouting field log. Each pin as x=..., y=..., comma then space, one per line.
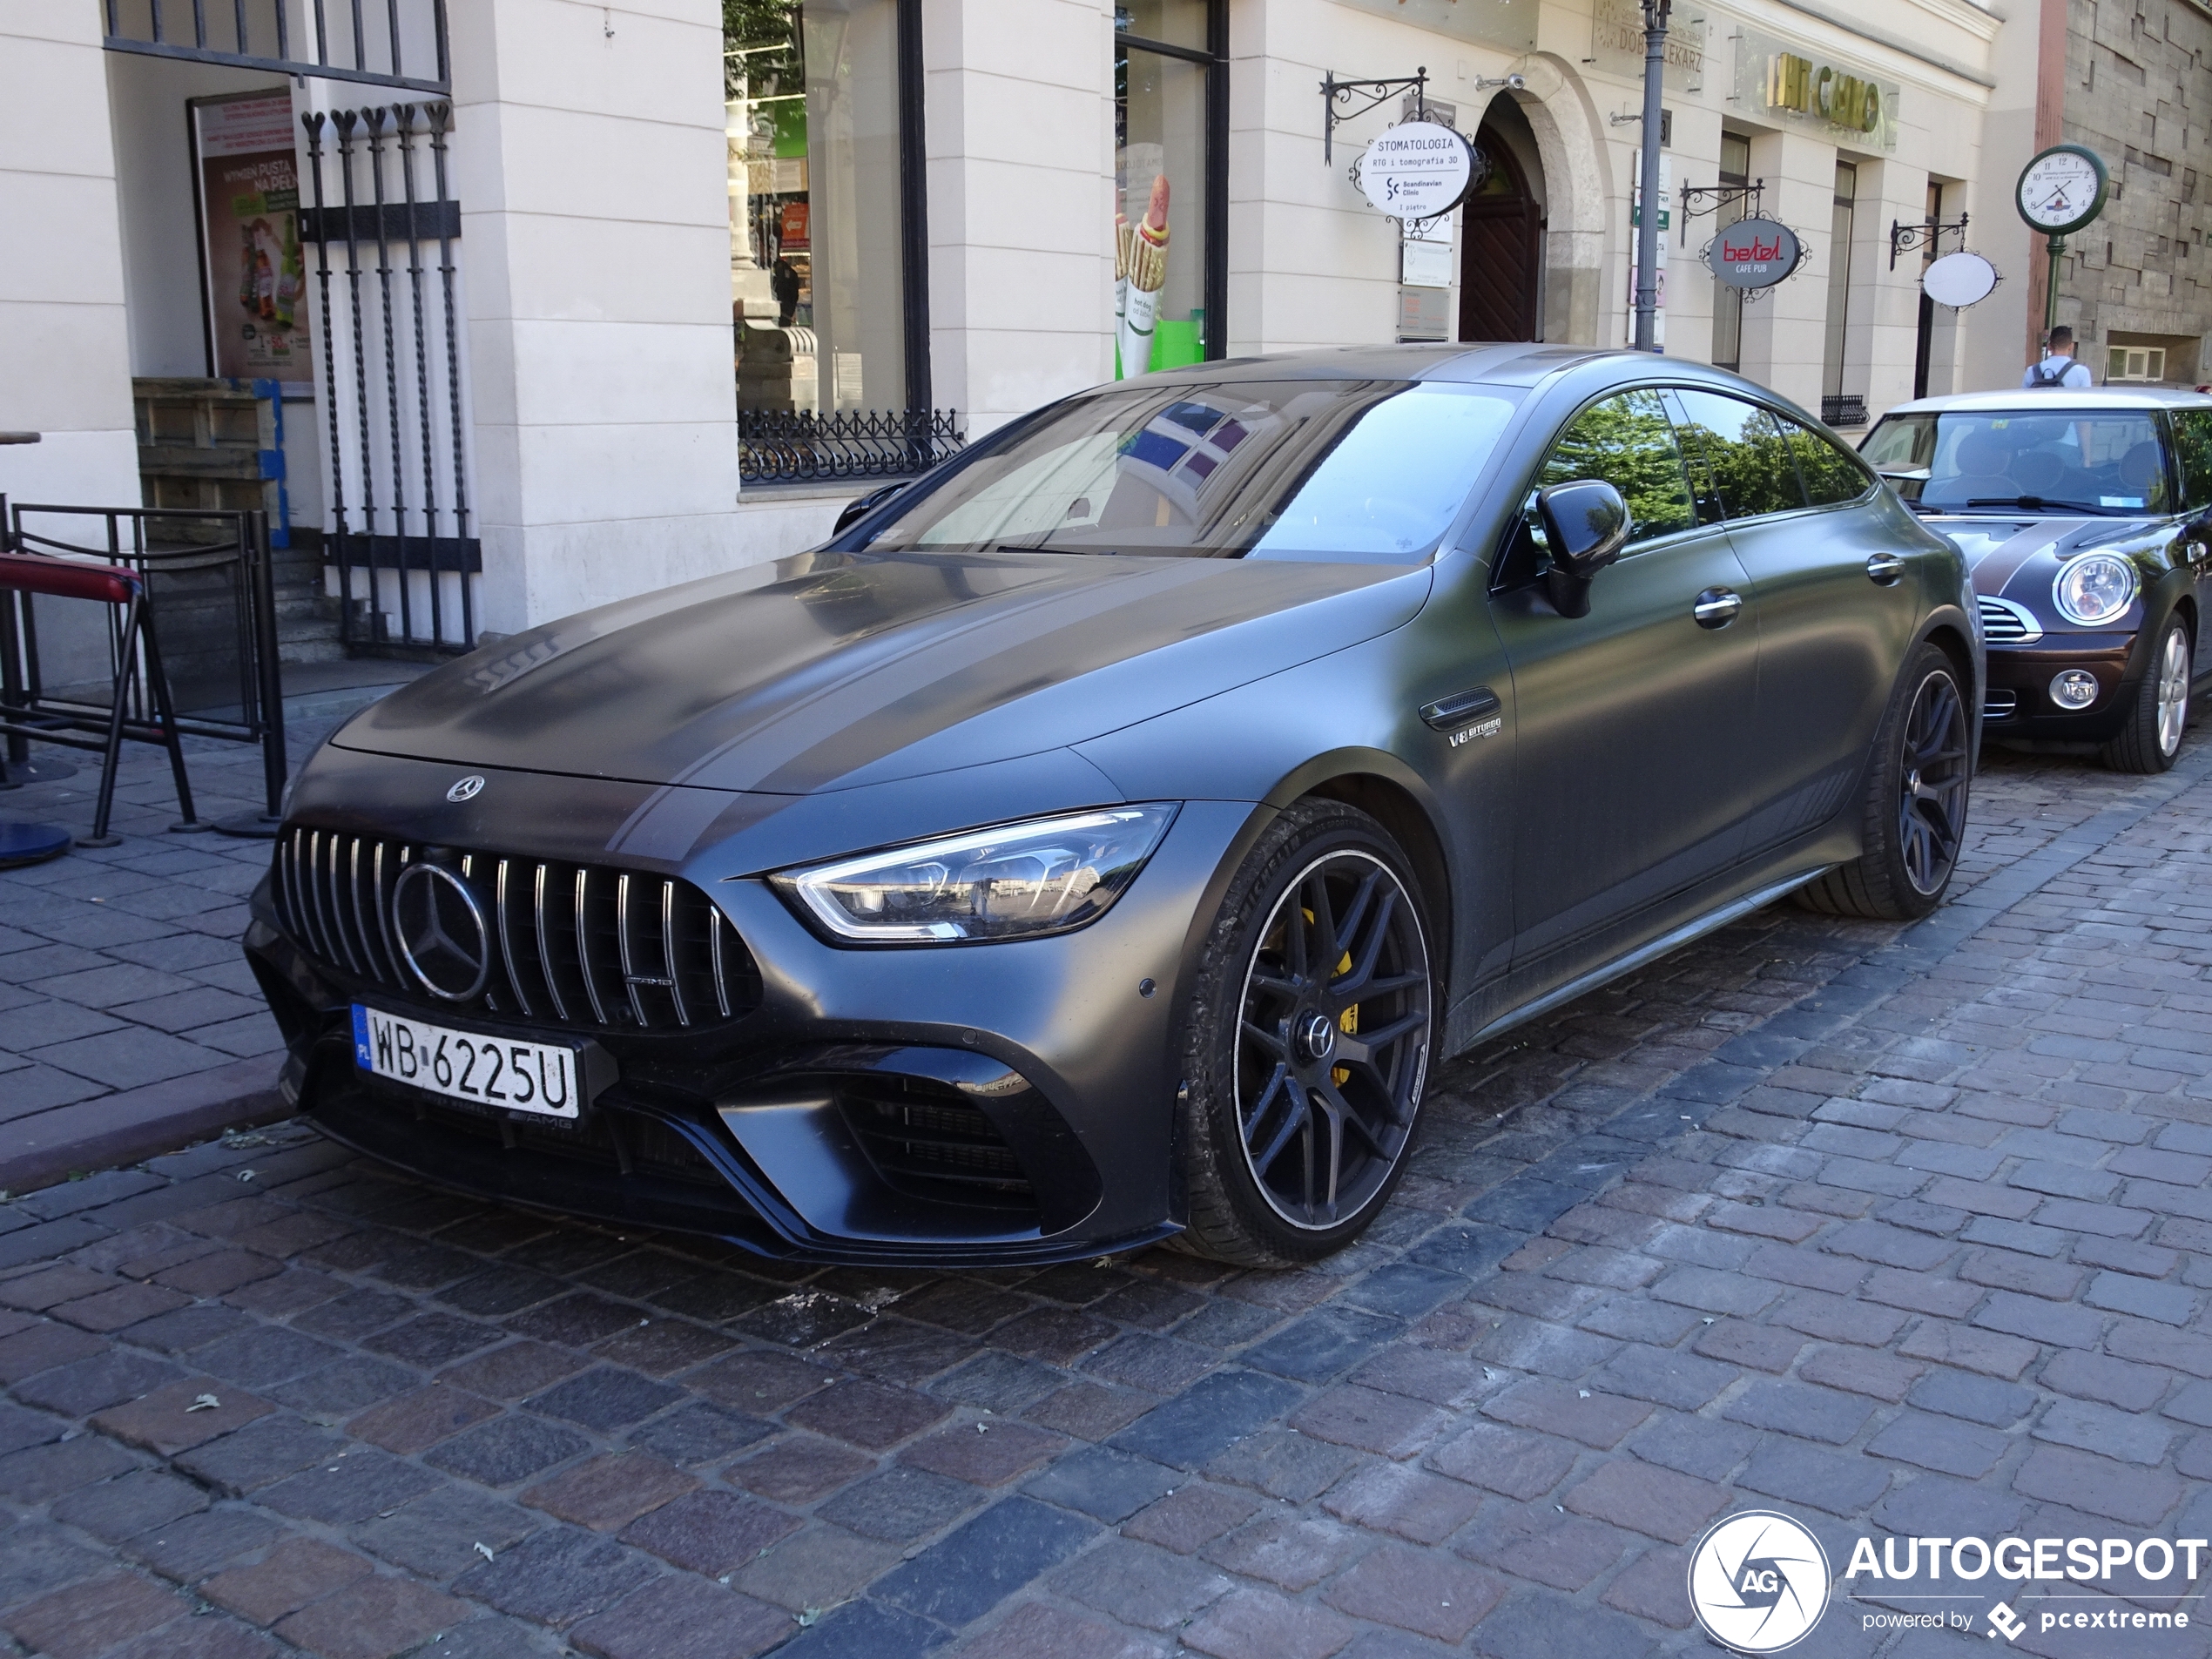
x=1362, y=471
x=2092, y=460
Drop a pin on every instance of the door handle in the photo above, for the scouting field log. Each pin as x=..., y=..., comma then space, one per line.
x=1885, y=569
x=1716, y=607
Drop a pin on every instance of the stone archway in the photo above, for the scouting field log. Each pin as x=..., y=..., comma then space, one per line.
x=1569, y=142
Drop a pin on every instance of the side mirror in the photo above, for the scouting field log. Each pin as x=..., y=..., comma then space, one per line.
x=1585, y=523
x=855, y=511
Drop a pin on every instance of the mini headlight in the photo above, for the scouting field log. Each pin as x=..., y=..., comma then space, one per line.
x=1014, y=881
x=2094, y=588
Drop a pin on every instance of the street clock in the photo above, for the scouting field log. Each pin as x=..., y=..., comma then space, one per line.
x=2062, y=189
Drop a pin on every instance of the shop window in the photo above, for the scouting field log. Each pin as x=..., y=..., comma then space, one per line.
x=1836, y=409
x=2135, y=363
x=1728, y=303
x=1170, y=139
x=821, y=195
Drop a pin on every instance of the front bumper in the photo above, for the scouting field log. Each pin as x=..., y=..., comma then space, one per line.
x=927, y=1106
x=2018, y=704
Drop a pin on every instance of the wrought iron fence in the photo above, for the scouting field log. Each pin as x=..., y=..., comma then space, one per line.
x=377, y=42
x=784, y=446
x=1848, y=411
x=385, y=224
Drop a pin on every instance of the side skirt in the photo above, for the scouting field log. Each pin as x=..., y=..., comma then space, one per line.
x=1696, y=928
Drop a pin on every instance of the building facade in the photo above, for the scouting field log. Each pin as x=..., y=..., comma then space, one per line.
x=2133, y=83
x=561, y=302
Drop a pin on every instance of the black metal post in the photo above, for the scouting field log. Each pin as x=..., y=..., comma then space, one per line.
x=314, y=121
x=375, y=120
x=406, y=113
x=441, y=116
x=913, y=207
x=1655, y=64
x=275, y=764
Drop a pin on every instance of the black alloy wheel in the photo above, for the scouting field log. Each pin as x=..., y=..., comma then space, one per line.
x=1931, y=785
x=1310, y=1042
x=1913, y=808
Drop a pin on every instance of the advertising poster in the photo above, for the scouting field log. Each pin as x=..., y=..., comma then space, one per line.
x=249, y=208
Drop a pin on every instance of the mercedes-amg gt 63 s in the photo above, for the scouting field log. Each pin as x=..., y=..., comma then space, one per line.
x=2086, y=518
x=1104, y=839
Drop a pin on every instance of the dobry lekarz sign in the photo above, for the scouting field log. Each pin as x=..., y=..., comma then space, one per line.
x=1754, y=254
x=1417, y=170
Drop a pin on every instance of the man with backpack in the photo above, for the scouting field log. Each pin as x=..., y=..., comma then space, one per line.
x=2059, y=368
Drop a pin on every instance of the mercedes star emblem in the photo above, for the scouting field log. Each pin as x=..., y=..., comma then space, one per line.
x=468, y=789
x=442, y=931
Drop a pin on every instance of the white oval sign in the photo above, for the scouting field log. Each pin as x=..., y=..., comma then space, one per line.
x=1958, y=281
x=1754, y=254
x=1417, y=170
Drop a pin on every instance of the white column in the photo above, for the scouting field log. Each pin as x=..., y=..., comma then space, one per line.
x=591, y=168
x=1785, y=328
x=1020, y=111
x=64, y=345
x=1894, y=192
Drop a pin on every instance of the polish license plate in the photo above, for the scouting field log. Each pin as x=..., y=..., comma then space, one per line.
x=540, y=1077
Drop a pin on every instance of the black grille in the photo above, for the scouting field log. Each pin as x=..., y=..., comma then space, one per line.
x=932, y=1146
x=574, y=945
x=1999, y=705
x=1847, y=411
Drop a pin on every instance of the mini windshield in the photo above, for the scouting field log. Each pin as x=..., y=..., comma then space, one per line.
x=1348, y=471
x=2089, y=461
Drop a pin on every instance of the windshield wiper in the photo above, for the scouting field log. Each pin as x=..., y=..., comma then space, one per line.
x=2042, y=503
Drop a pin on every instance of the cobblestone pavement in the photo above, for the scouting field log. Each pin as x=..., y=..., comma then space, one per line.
x=1896, y=1230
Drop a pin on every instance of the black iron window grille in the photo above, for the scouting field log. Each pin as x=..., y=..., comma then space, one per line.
x=379, y=42
x=784, y=446
x=384, y=225
x=1847, y=411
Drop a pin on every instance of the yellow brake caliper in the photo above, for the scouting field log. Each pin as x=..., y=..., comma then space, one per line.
x=1348, y=1022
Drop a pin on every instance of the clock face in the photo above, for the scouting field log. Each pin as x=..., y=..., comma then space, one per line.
x=2061, y=191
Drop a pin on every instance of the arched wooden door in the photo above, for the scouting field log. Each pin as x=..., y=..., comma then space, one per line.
x=1501, y=270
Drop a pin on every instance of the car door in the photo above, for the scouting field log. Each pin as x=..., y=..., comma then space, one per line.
x=1631, y=724
x=2193, y=451
x=1832, y=600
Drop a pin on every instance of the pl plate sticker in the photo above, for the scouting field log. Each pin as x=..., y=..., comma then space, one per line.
x=1758, y=1581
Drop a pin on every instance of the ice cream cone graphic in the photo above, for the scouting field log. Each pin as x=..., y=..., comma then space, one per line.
x=1144, y=270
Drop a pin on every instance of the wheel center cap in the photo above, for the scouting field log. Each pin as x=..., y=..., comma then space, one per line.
x=1317, y=1035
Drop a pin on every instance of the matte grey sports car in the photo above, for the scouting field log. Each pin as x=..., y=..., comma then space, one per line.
x=1103, y=839
x=2086, y=517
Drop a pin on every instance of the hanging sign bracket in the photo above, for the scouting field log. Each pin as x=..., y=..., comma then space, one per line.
x=1905, y=238
x=1336, y=98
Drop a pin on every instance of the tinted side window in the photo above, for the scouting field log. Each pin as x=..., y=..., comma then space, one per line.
x=2193, y=449
x=1627, y=442
x=1745, y=453
x=1831, y=473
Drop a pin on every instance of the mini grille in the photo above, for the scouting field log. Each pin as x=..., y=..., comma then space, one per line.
x=2004, y=622
x=572, y=944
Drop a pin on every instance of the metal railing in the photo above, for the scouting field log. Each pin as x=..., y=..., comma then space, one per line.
x=373, y=41
x=782, y=446
x=1847, y=411
x=208, y=579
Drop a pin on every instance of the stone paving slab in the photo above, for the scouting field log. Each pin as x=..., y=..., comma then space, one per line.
x=129, y=1024
x=1903, y=1232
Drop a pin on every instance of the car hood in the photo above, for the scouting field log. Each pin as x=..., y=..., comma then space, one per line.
x=831, y=670
x=2021, y=551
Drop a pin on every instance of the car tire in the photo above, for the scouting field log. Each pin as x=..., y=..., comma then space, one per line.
x=1914, y=802
x=2151, y=737
x=1303, y=1076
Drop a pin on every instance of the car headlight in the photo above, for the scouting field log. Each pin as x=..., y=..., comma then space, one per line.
x=1014, y=881
x=2094, y=588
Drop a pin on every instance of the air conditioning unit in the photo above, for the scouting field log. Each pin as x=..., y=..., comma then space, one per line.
x=2135, y=363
